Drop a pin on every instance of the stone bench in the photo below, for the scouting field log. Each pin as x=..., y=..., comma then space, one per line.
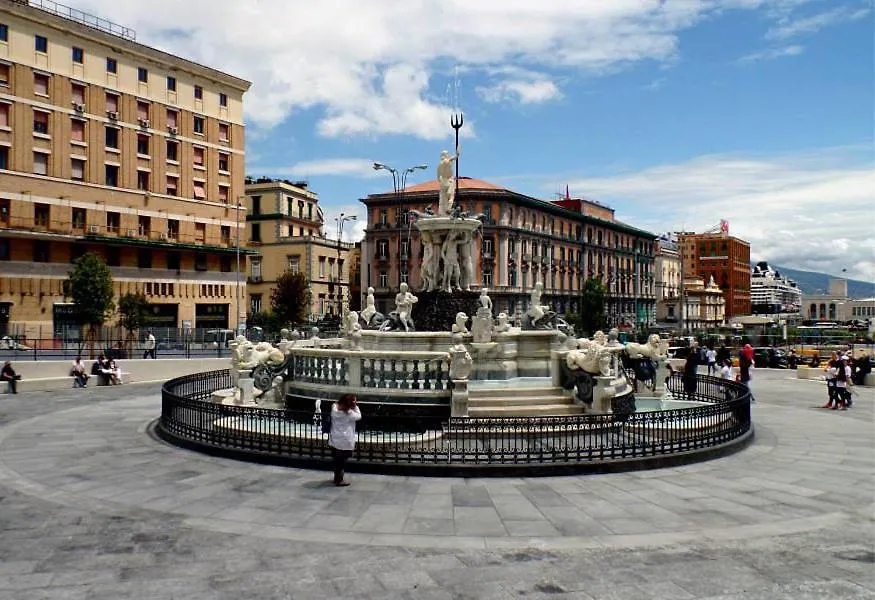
x=803, y=372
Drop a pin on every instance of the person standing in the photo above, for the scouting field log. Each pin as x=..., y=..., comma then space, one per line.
x=711, y=357
x=841, y=373
x=9, y=375
x=691, y=370
x=344, y=414
x=150, y=345
x=831, y=391
x=745, y=366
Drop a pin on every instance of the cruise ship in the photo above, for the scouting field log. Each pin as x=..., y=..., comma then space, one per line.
x=771, y=293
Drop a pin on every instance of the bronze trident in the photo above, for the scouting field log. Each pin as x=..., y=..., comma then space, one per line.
x=456, y=122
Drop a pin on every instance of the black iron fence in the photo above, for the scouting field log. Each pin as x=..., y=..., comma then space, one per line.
x=718, y=423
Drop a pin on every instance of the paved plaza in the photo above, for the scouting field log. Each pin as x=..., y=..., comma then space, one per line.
x=92, y=507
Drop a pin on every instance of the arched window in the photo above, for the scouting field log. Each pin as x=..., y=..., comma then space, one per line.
x=812, y=311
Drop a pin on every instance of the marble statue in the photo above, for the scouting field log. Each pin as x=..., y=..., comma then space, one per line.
x=613, y=337
x=370, y=309
x=466, y=261
x=352, y=330
x=538, y=316
x=460, y=359
x=502, y=324
x=445, y=176
x=485, y=300
x=275, y=396
x=404, y=302
x=654, y=349
x=450, y=255
x=461, y=324
x=591, y=357
x=428, y=271
x=481, y=324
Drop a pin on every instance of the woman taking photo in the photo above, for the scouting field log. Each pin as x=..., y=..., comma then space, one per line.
x=344, y=413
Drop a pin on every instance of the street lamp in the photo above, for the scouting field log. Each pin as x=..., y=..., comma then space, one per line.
x=399, y=184
x=237, y=249
x=340, y=222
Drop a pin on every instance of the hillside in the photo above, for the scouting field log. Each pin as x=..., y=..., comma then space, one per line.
x=812, y=283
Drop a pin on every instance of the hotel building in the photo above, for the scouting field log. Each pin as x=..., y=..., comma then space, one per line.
x=523, y=240
x=113, y=147
x=723, y=257
x=285, y=230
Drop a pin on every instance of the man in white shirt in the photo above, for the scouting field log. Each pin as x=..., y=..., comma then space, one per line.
x=711, y=357
x=150, y=345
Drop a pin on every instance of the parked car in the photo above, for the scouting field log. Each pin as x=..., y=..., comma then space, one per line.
x=7, y=343
x=770, y=358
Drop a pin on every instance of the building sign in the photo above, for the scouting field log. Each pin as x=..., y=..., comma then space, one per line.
x=211, y=315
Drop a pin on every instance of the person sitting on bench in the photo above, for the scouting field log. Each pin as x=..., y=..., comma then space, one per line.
x=100, y=368
x=80, y=377
x=9, y=375
x=114, y=372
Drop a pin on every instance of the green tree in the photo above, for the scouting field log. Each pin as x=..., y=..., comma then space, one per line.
x=592, y=307
x=133, y=309
x=89, y=285
x=290, y=298
x=265, y=319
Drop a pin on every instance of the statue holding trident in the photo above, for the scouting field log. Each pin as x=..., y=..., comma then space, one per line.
x=447, y=182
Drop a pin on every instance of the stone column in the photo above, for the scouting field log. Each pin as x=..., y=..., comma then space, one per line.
x=354, y=364
x=459, y=406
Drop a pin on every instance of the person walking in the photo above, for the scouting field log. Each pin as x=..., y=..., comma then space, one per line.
x=831, y=391
x=745, y=366
x=9, y=375
x=344, y=414
x=841, y=373
x=711, y=357
x=80, y=377
x=150, y=345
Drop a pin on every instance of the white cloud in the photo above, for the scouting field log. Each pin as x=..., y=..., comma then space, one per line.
x=353, y=230
x=788, y=27
x=343, y=167
x=520, y=85
x=771, y=54
x=809, y=211
x=372, y=69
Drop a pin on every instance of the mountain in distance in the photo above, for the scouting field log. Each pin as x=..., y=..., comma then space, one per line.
x=818, y=283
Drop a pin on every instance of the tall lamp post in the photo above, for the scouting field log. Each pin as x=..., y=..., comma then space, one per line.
x=399, y=184
x=340, y=222
x=239, y=207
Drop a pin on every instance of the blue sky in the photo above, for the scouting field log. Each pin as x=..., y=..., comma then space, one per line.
x=677, y=113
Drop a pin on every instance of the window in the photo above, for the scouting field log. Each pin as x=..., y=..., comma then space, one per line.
x=111, y=103
x=41, y=251
x=198, y=156
x=384, y=216
x=171, y=84
x=113, y=222
x=173, y=229
x=405, y=247
x=40, y=84
x=40, y=43
x=4, y=211
x=255, y=270
x=41, y=214
x=256, y=205
x=143, y=144
x=256, y=232
x=300, y=209
x=255, y=303
x=321, y=266
x=4, y=249
x=4, y=115
x=225, y=233
x=384, y=280
x=112, y=137
x=77, y=93
x=142, y=111
x=294, y=264
x=487, y=247
x=340, y=269
x=172, y=151
x=78, y=55
x=200, y=262
x=223, y=99
x=173, y=261
x=198, y=92
x=487, y=279
x=223, y=194
x=4, y=32
x=224, y=162
x=79, y=216
x=199, y=125
x=172, y=185
x=383, y=249
x=200, y=232
x=144, y=226
x=143, y=180
x=40, y=122
x=142, y=74
x=200, y=192
x=225, y=264
x=77, y=169
x=144, y=259
x=111, y=65
x=4, y=74
x=40, y=163
x=111, y=175
x=4, y=157
x=172, y=118
x=224, y=132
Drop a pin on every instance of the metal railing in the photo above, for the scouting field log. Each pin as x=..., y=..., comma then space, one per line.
x=83, y=18
x=588, y=442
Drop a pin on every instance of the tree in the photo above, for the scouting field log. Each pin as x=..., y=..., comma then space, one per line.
x=290, y=298
x=592, y=306
x=133, y=310
x=89, y=285
x=265, y=320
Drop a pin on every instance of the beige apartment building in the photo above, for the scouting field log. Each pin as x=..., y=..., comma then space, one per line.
x=113, y=147
x=285, y=227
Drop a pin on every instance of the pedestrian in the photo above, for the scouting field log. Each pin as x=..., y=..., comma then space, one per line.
x=691, y=370
x=150, y=345
x=745, y=366
x=711, y=357
x=9, y=375
x=344, y=414
x=726, y=371
x=722, y=354
x=841, y=373
x=830, y=376
x=80, y=377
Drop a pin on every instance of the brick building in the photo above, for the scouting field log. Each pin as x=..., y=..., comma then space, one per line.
x=726, y=259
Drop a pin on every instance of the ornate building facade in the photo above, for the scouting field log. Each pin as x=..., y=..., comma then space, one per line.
x=112, y=147
x=523, y=240
x=726, y=259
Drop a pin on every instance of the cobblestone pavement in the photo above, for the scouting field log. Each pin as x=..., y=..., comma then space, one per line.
x=92, y=507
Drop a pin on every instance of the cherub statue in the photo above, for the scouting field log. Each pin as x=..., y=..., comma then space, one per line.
x=502, y=324
x=370, y=309
x=460, y=359
x=404, y=302
x=460, y=325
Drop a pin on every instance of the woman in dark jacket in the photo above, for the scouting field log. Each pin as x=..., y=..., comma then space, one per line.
x=691, y=370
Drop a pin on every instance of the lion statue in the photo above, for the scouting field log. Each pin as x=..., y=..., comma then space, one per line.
x=653, y=349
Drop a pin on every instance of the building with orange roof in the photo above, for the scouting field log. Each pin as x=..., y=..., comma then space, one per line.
x=523, y=240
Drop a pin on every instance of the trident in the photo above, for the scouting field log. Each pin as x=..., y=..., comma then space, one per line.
x=456, y=122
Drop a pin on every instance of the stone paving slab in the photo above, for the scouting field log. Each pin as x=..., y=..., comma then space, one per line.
x=91, y=507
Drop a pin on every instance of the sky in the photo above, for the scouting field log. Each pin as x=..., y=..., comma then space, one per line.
x=678, y=113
